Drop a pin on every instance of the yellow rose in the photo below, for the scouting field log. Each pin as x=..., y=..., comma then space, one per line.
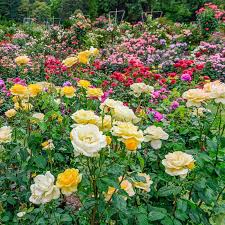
x=109, y=193
x=84, y=117
x=178, y=163
x=68, y=181
x=22, y=60
x=10, y=113
x=131, y=144
x=5, y=134
x=127, y=131
x=195, y=97
x=68, y=91
x=94, y=92
x=19, y=90
x=48, y=145
x=34, y=89
x=154, y=135
x=84, y=83
x=143, y=185
x=127, y=186
x=94, y=51
x=83, y=57
x=108, y=140
x=70, y=61
x=105, y=123
x=23, y=106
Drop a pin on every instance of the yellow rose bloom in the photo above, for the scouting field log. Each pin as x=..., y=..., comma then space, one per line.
x=94, y=51
x=108, y=140
x=109, y=193
x=23, y=106
x=34, y=89
x=68, y=181
x=22, y=60
x=68, y=91
x=143, y=185
x=83, y=57
x=84, y=117
x=84, y=83
x=10, y=113
x=131, y=144
x=48, y=145
x=94, y=92
x=19, y=90
x=127, y=186
x=70, y=61
x=127, y=132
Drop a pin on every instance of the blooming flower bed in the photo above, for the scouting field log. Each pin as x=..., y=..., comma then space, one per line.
x=131, y=132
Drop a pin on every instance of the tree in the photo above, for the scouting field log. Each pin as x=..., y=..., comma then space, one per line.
x=24, y=8
x=41, y=11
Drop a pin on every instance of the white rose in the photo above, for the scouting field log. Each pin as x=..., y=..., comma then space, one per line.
x=178, y=163
x=155, y=135
x=87, y=140
x=43, y=190
x=21, y=214
x=5, y=134
x=139, y=88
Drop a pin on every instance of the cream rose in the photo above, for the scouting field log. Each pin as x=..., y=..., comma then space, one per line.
x=178, y=163
x=195, y=97
x=5, y=134
x=38, y=116
x=43, y=190
x=139, y=88
x=109, y=104
x=105, y=123
x=10, y=113
x=125, y=114
x=216, y=91
x=85, y=117
x=87, y=140
x=154, y=135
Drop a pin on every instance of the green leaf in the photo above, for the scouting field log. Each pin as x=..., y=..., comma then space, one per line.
x=156, y=213
x=142, y=216
x=169, y=190
x=40, y=161
x=66, y=218
x=141, y=160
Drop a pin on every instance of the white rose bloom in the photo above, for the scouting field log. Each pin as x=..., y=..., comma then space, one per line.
x=87, y=140
x=43, y=190
x=109, y=104
x=216, y=91
x=155, y=135
x=124, y=114
x=5, y=134
x=21, y=214
x=178, y=163
x=139, y=88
